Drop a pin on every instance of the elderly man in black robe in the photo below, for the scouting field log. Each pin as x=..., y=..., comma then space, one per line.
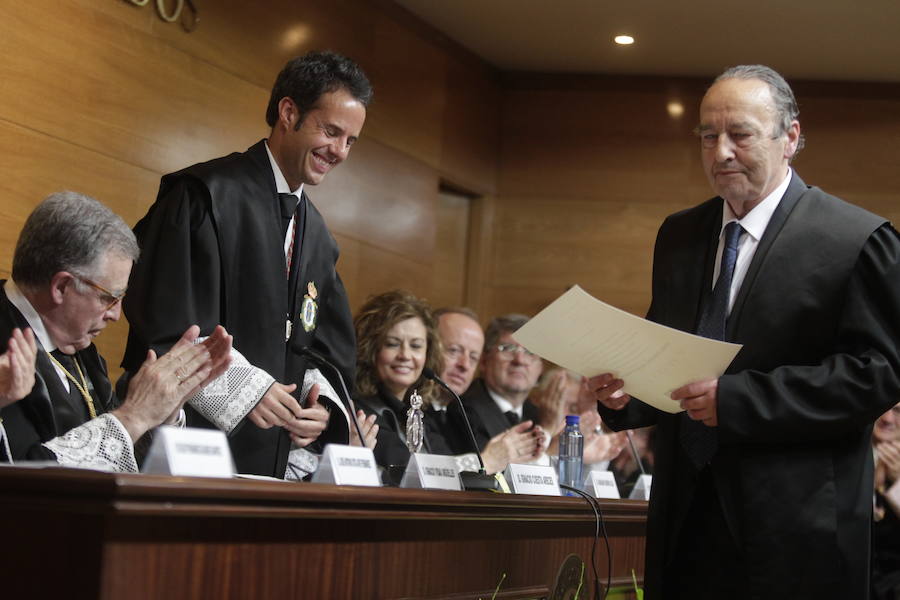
x=70, y=272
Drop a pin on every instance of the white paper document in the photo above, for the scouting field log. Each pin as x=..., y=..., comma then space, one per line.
x=590, y=337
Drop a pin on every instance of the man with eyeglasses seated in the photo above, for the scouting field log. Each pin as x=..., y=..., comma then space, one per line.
x=463, y=342
x=70, y=271
x=498, y=400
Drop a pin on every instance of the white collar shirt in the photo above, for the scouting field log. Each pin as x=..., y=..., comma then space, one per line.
x=282, y=187
x=503, y=404
x=754, y=225
x=18, y=299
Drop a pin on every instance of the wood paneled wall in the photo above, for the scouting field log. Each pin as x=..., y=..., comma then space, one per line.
x=574, y=174
x=103, y=97
x=590, y=166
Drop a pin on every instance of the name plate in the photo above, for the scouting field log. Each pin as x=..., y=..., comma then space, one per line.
x=602, y=484
x=641, y=489
x=431, y=471
x=539, y=480
x=347, y=465
x=189, y=451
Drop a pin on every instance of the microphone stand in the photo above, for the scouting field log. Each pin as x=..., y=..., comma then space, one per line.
x=322, y=361
x=634, y=452
x=471, y=480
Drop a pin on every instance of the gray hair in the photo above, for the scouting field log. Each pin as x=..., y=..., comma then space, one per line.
x=500, y=325
x=782, y=95
x=70, y=232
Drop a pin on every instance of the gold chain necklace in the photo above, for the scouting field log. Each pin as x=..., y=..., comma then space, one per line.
x=82, y=387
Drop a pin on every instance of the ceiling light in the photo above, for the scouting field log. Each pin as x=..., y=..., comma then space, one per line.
x=624, y=40
x=675, y=109
x=295, y=37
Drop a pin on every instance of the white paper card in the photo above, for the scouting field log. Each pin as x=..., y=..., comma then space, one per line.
x=641, y=490
x=431, y=471
x=590, y=337
x=601, y=484
x=539, y=480
x=189, y=451
x=347, y=465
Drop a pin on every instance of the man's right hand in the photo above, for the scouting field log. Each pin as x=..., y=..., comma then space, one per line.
x=608, y=391
x=161, y=386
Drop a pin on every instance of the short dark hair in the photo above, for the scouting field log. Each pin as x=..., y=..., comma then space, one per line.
x=70, y=232
x=499, y=325
x=305, y=78
x=785, y=103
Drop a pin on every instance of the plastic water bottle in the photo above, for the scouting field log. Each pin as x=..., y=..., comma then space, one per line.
x=571, y=452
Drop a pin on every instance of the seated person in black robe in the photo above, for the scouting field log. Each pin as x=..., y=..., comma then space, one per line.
x=70, y=271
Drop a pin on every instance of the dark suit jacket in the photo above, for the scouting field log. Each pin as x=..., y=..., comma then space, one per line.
x=818, y=316
x=212, y=253
x=486, y=417
x=48, y=411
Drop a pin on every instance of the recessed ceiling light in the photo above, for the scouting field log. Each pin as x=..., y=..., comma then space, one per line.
x=624, y=40
x=675, y=109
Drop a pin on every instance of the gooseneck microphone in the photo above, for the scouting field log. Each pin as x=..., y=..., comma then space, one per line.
x=634, y=452
x=470, y=480
x=320, y=360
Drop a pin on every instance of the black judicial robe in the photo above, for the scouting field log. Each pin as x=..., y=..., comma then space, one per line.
x=818, y=314
x=213, y=253
x=48, y=411
x=486, y=417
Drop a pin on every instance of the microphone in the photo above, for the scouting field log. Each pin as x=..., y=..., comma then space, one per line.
x=634, y=452
x=470, y=480
x=320, y=360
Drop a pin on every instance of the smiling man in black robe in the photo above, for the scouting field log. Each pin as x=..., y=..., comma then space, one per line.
x=236, y=241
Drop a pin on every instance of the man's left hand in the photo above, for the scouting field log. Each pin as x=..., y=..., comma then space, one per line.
x=311, y=422
x=700, y=401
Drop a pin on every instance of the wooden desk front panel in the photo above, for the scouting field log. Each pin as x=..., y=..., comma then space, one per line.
x=154, y=537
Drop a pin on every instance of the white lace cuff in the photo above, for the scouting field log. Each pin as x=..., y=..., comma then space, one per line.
x=101, y=443
x=302, y=462
x=326, y=392
x=6, y=451
x=467, y=462
x=226, y=400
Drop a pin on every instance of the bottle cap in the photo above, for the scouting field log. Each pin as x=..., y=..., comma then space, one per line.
x=572, y=419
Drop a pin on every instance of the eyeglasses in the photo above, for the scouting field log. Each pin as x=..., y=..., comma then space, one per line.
x=508, y=351
x=110, y=298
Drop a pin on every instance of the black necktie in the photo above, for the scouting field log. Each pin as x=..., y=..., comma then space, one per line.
x=440, y=419
x=288, y=206
x=512, y=417
x=699, y=441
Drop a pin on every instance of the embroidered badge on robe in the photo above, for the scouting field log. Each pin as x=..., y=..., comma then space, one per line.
x=309, y=310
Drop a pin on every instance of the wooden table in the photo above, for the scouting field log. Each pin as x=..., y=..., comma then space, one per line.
x=83, y=534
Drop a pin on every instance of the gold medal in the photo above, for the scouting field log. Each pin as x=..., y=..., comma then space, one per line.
x=309, y=310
